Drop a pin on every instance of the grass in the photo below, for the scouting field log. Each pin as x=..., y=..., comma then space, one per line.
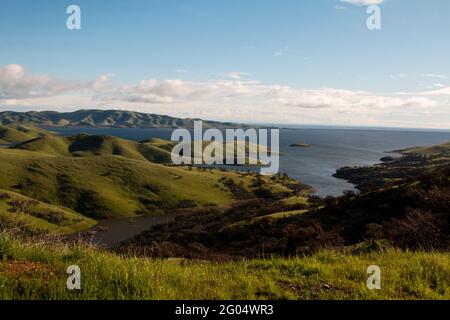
x=84, y=146
x=15, y=135
x=18, y=211
x=110, y=185
x=37, y=271
x=48, y=144
x=269, y=217
x=441, y=149
x=102, y=176
x=153, y=150
x=295, y=200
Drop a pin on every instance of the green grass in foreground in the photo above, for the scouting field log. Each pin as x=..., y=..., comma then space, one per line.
x=30, y=271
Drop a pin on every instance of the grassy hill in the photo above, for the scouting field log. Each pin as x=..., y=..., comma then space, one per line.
x=29, y=215
x=49, y=144
x=15, y=135
x=103, y=118
x=153, y=150
x=413, y=162
x=437, y=150
x=102, y=176
x=90, y=145
x=413, y=216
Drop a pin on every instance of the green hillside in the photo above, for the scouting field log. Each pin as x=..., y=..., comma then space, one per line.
x=90, y=145
x=13, y=135
x=119, y=181
x=153, y=150
x=412, y=215
x=412, y=163
x=18, y=211
x=441, y=149
x=49, y=144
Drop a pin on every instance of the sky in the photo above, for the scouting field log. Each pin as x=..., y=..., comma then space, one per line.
x=286, y=61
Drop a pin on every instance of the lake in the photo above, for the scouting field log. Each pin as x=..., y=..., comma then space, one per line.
x=331, y=149
x=111, y=232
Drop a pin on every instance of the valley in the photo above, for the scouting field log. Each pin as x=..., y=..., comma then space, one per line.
x=103, y=176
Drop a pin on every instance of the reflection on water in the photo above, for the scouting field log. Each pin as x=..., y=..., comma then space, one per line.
x=111, y=232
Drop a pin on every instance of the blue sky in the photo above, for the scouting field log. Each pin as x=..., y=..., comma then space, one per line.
x=292, y=61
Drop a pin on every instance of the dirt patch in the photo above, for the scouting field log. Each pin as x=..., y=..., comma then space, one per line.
x=314, y=288
x=26, y=268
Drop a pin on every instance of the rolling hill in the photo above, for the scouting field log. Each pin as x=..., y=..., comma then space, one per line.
x=30, y=215
x=9, y=134
x=102, y=176
x=153, y=150
x=436, y=150
x=413, y=216
x=393, y=170
x=103, y=118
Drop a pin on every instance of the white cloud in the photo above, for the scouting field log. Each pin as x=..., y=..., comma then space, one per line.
x=103, y=80
x=345, y=100
x=431, y=75
x=233, y=99
x=442, y=91
x=15, y=83
x=178, y=91
x=363, y=2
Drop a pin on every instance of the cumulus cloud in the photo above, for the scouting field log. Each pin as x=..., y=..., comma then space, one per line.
x=345, y=100
x=442, y=91
x=15, y=83
x=178, y=91
x=103, y=81
x=232, y=98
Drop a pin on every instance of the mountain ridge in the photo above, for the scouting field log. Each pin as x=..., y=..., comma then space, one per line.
x=105, y=118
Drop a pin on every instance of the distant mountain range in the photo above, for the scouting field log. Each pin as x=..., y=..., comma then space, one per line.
x=104, y=118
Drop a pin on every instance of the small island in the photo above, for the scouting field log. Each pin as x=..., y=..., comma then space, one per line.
x=300, y=144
